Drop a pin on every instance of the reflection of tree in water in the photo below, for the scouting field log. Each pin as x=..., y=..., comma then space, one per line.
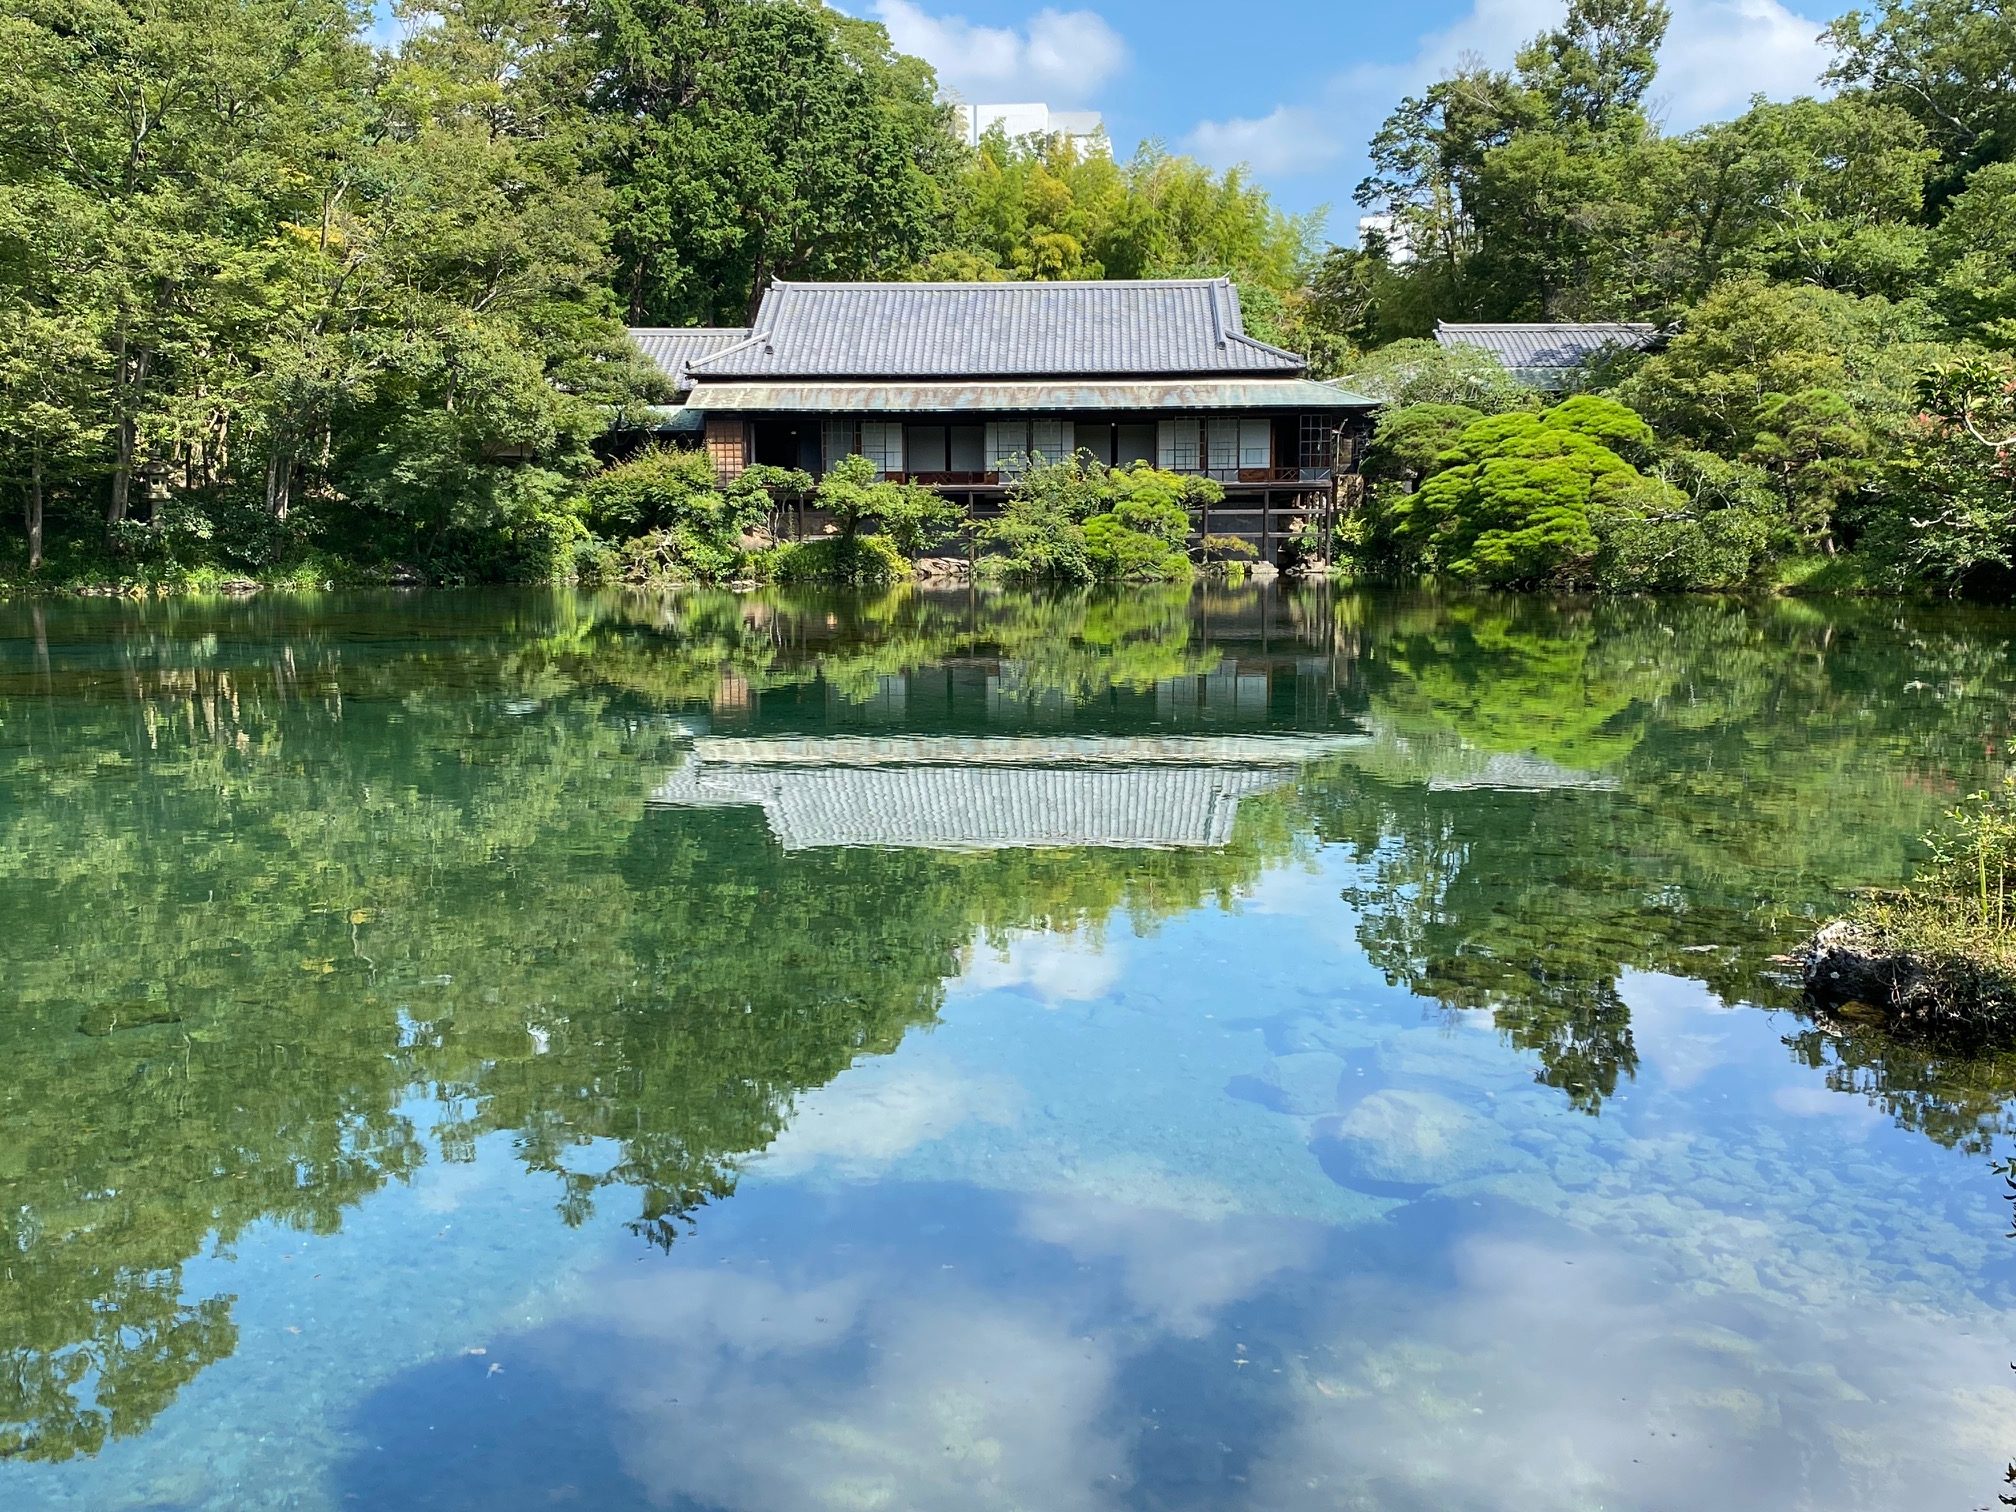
x=266, y=881
x=1677, y=820
x=1076, y=644
x=268, y=875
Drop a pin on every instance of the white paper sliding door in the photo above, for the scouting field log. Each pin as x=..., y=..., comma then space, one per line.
x=1256, y=443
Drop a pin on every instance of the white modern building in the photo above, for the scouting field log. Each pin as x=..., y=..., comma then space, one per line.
x=1085, y=128
x=1392, y=235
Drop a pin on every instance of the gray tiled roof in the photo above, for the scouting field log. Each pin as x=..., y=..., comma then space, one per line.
x=673, y=348
x=1543, y=351
x=962, y=793
x=997, y=330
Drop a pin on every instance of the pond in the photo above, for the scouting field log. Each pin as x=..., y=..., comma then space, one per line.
x=1251, y=1048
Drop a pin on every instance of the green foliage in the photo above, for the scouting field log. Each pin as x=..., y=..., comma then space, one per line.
x=1812, y=255
x=911, y=515
x=1975, y=248
x=304, y=277
x=1518, y=496
x=682, y=523
x=746, y=140
x=1554, y=499
x=1666, y=550
x=1419, y=371
x=1947, y=517
x=866, y=560
x=1079, y=521
x=1606, y=422
x=1410, y=438
x=1809, y=385
x=1042, y=208
x=1947, y=64
x=1956, y=921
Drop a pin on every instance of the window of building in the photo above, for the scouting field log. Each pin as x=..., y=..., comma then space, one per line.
x=1096, y=439
x=839, y=438
x=1007, y=445
x=1133, y=443
x=1176, y=445
x=1221, y=434
x=1052, y=440
x=882, y=444
x=1318, y=441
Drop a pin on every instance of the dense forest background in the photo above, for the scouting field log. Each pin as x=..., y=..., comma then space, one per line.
x=280, y=301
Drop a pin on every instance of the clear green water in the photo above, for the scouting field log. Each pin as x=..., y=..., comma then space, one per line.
x=1268, y=1050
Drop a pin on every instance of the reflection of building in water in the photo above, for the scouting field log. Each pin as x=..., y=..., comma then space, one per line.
x=957, y=792
x=1524, y=773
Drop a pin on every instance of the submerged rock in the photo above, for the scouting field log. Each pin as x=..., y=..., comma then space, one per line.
x=1304, y=1083
x=1397, y=1139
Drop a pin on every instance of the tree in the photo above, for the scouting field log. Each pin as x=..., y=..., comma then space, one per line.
x=1078, y=520
x=1802, y=381
x=1975, y=251
x=1419, y=371
x=1827, y=192
x=1946, y=63
x=1514, y=500
x=1048, y=209
x=1947, y=510
x=747, y=140
x=1593, y=70
x=1411, y=439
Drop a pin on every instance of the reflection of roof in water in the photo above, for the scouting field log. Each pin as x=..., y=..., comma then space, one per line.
x=1524, y=773
x=957, y=792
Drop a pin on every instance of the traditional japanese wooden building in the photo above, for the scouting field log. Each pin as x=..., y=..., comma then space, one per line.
x=957, y=385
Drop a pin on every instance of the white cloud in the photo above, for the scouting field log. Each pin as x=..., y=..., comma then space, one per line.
x=1288, y=139
x=1060, y=57
x=1721, y=52
x=1717, y=54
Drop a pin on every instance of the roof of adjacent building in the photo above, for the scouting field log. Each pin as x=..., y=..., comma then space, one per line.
x=674, y=348
x=1162, y=327
x=1540, y=351
x=1037, y=396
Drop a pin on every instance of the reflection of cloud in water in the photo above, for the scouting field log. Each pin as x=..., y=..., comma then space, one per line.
x=1299, y=892
x=1668, y=1019
x=962, y=1399
x=1176, y=1271
x=1654, y=1395
x=1857, y=1115
x=879, y=1111
x=1052, y=968
x=941, y=1348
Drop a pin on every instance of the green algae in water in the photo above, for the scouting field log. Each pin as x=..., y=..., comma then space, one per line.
x=1373, y=1089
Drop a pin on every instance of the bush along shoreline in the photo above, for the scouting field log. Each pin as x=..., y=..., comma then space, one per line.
x=1936, y=959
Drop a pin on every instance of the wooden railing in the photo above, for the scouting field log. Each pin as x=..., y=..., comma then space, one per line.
x=1249, y=475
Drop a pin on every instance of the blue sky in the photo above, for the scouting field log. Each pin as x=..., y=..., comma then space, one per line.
x=1295, y=88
